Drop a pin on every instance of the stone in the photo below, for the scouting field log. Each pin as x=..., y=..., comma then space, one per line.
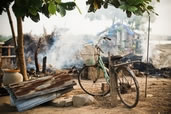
x=68, y=102
x=82, y=100
x=63, y=102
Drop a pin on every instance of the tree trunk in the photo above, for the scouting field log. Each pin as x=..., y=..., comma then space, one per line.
x=20, y=49
x=12, y=27
x=13, y=34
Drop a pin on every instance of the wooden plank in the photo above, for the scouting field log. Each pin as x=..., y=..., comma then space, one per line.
x=6, y=46
x=9, y=52
x=12, y=56
x=29, y=89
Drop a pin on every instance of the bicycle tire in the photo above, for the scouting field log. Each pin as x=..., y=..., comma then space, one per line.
x=128, y=92
x=93, y=83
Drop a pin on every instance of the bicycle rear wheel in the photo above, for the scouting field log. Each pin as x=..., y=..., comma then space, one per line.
x=128, y=88
x=91, y=80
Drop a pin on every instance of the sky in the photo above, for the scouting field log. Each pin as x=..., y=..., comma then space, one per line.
x=79, y=23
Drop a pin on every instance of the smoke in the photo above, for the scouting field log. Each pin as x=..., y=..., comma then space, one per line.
x=159, y=51
x=66, y=50
x=83, y=29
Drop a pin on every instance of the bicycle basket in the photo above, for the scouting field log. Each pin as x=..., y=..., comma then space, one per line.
x=89, y=55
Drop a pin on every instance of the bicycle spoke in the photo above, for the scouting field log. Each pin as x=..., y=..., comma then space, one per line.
x=92, y=82
x=127, y=87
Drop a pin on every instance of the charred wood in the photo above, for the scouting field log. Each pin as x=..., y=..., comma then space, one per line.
x=44, y=64
x=36, y=54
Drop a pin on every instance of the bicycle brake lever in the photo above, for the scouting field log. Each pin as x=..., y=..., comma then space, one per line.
x=106, y=38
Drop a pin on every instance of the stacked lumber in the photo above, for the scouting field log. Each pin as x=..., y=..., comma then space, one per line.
x=31, y=93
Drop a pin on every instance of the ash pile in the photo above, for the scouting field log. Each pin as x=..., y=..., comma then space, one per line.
x=147, y=68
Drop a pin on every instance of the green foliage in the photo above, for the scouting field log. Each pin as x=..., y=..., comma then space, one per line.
x=60, y=7
x=32, y=8
x=52, y=7
x=61, y=10
x=137, y=7
x=68, y=6
x=4, y=4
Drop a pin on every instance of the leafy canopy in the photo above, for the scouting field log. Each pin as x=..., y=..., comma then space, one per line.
x=32, y=8
x=4, y=4
x=137, y=7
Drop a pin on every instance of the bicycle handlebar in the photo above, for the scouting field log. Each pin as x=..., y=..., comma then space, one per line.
x=98, y=48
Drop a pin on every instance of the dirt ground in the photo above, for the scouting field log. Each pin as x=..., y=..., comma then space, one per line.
x=158, y=101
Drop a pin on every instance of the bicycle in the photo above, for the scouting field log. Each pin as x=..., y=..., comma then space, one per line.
x=94, y=79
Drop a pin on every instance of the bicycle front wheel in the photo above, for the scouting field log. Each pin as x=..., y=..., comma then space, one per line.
x=128, y=89
x=91, y=80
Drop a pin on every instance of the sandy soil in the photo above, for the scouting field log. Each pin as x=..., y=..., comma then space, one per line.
x=158, y=101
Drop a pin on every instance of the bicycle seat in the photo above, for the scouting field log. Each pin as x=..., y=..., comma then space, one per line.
x=116, y=57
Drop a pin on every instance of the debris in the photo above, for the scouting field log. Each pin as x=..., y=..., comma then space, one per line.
x=82, y=99
x=131, y=57
x=31, y=93
x=63, y=102
x=3, y=92
x=149, y=95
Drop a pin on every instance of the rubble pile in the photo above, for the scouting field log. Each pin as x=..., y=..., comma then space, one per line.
x=31, y=93
x=147, y=68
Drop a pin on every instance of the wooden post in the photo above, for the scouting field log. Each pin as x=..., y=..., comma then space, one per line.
x=113, y=82
x=36, y=54
x=9, y=50
x=0, y=55
x=44, y=64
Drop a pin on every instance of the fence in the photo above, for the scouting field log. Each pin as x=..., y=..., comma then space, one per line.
x=6, y=61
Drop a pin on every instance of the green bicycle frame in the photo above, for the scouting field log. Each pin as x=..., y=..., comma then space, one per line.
x=104, y=69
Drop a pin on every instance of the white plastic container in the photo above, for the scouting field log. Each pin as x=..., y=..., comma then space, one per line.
x=11, y=76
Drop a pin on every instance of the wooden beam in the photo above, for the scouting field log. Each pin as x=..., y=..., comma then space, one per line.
x=113, y=84
x=6, y=46
x=12, y=56
x=9, y=51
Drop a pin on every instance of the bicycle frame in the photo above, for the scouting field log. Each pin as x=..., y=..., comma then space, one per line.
x=104, y=69
x=126, y=83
